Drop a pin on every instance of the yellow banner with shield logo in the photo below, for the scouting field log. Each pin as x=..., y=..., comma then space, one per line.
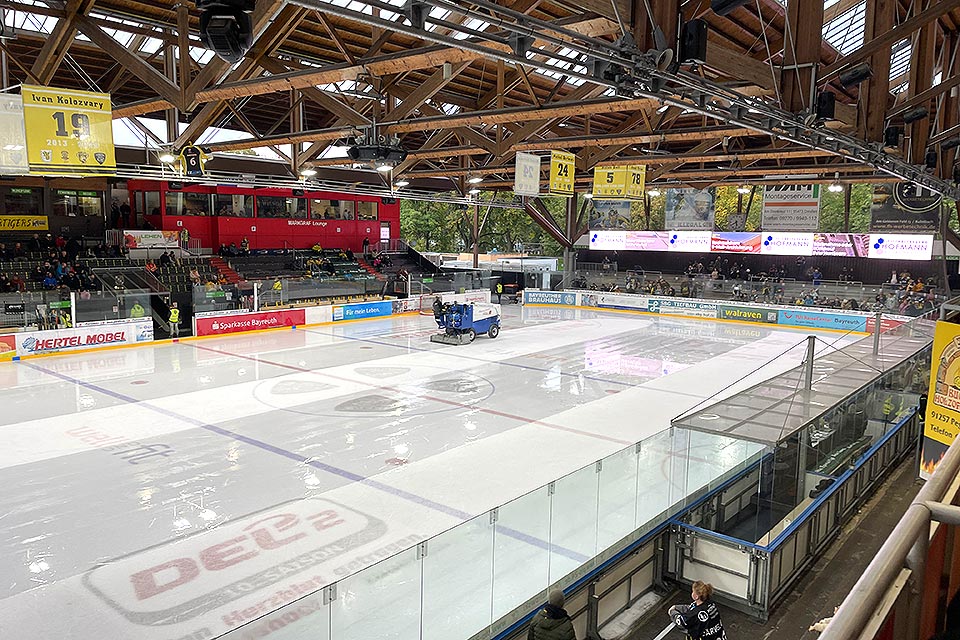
x=943, y=397
x=23, y=223
x=561, y=173
x=68, y=132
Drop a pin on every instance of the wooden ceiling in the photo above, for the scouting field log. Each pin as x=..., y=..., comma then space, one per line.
x=461, y=114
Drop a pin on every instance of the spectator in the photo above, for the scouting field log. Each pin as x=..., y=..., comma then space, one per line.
x=552, y=621
x=125, y=218
x=701, y=618
x=151, y=266
x=165, y=260
x=817, y=276
x=366, y=247
x=244, y=247
x=60, y=243
x=49, y=282
x=137, y=310
x=18, y=251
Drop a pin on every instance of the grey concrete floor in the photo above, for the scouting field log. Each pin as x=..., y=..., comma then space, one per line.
x=827, y=582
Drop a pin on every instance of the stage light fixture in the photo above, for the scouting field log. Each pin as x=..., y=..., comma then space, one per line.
x=743, y=189
x=917, y=113
x=226, y=27
x=891, y=136
x=950, y=143
x=930, y=159
x=856, y=74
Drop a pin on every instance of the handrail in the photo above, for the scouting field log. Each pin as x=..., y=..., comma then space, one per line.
x=859, y=606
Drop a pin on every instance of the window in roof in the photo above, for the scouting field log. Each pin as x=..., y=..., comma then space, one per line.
x=845, y=32
x=900, y=58
x=151, y=45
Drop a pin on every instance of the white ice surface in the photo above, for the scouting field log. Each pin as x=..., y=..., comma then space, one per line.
x=295, y=459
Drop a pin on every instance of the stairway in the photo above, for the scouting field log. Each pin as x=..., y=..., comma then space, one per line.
x=369, y=269
x=224, y=269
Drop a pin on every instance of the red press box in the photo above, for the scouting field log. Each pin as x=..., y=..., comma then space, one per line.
x=217, y=325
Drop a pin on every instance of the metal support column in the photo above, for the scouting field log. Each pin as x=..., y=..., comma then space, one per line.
x=808, y=363
x=476, y=235
x=570, y=253
x=877, y=325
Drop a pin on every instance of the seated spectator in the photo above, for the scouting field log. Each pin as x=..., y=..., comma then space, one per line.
x=244, y=247
x=165, y=260
x=233, y=251
x=223, y=252
x=194, y=275
x=49, y=281
x=19, y=251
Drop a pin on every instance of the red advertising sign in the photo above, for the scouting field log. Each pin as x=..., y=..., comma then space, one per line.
x=886, y=324
x=217, y=325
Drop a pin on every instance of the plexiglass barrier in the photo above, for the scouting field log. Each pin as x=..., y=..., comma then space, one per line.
x=481, y=576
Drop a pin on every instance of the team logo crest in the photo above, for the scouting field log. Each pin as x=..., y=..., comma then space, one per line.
x=65, y=156
x=703, y=616
x=83, y=156
x=46, y=155
x=100, y=157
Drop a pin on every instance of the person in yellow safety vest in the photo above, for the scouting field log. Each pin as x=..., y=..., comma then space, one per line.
x=174, y=321
x=499, y=291
x=137, y=310
x=278, y=285
x=890, y=410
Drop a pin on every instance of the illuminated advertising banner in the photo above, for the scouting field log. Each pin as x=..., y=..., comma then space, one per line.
x=900, y=247
x=735, y=242
x=787, y=244
x=690, y=241
x=880, y=246
x=848, y=245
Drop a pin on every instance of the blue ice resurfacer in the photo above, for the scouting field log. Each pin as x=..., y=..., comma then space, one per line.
x=462, y=322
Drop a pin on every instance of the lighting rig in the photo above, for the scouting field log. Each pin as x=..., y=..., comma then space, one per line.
x=632, y=73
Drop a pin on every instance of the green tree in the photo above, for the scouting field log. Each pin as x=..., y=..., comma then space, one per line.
x=831, y=209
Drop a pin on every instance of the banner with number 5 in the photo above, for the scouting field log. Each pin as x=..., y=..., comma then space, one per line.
x=68, y=132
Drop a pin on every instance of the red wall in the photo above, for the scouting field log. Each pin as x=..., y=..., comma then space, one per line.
x=272, y=233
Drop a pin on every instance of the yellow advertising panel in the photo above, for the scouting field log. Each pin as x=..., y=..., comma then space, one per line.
x=636, y=181
x=943, y=398
x=561, y=173
x=68, y=132
x=23, y=223
x=609, y=183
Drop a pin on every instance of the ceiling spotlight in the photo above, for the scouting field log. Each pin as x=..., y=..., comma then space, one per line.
x=473, y=192
x=401, y=183
x=856, y=74
x=475, y=180
x=308, y=173
x=588, y=196
x=167, y=158
x=917, y=113
x=950, y=144
x=743, y=189
x=653, y=193
x=835, y=186
x=226, y=27
x=384, y=167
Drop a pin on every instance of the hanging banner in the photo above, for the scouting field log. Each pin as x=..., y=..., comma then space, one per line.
x=561, y=173
x=791, y=207
x=13, y=148
x=68, y=132
x=943, y=397
x=609, y=183
x=609, y=214
x=23, y=223
x=904, y=207
x=689, y=209
x=636, y=181
x=526, y=177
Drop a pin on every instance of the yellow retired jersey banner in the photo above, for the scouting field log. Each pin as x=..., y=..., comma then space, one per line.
x=943, y=397
x=561, y=173
x=609, y=183
x=23, y=223
x=68, y=132
x=636, y=178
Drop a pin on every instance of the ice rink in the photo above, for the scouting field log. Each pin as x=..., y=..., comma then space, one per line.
x=181, y=490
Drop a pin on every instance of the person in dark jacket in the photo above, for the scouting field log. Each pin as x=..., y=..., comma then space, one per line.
x=701, y=618
x=552, y=622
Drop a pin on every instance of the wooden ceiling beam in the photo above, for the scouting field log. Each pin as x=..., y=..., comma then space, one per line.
x=577, y=142
x=742, y=157
x=875, y=92
x=134, y=63
x=58, y=43
x=415, y=99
